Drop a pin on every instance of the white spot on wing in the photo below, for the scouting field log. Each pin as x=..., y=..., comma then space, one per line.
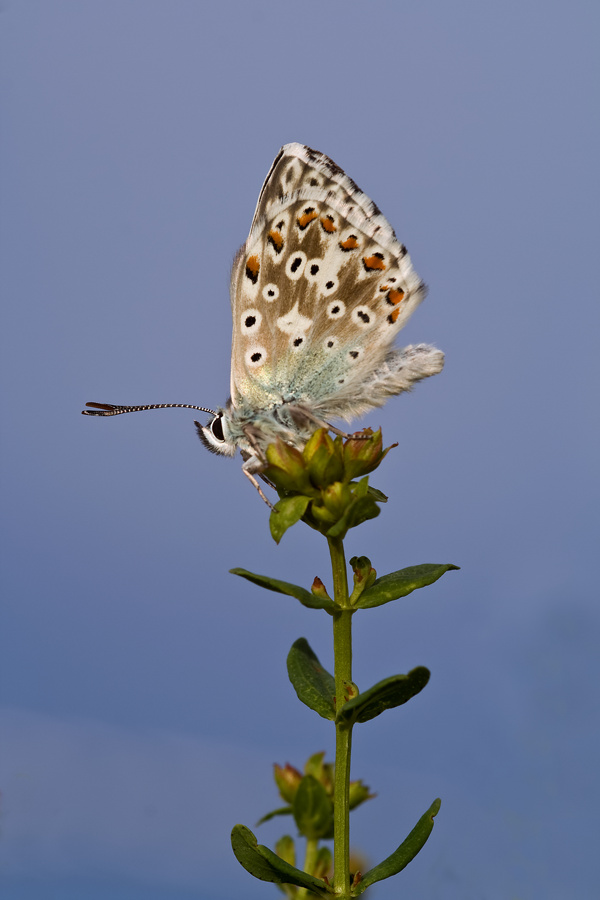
x=330, y=285
x=314, y=270
x=250, y=321
x=363, y=316
x=255, y=356
x=336, y=310
x=270, y=292
x=293, y=321
x=295, y=264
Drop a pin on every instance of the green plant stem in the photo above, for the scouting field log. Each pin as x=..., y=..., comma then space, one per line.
x=342, y=652
x=310, y=859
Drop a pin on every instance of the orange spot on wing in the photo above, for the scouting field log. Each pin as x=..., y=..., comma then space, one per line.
x=373, y=262
x=394, y=297
x=306, y=218
x=276, y=239
x=349, y=244
x=394, y=315
x=252, y=268
x=328, y=224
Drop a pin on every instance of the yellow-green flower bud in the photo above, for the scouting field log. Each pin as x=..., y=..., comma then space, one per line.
x=287, y=779
x=318, y=439
x=364, y=576
x=363, y=455
x=287, y=469
x=358, y=793
x=324, y=459
x=336, y=498
x=319, y=589
x=322, y=771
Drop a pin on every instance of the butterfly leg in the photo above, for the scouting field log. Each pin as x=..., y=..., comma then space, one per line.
x=323, y=424
x=344, y=434
x=254, y=481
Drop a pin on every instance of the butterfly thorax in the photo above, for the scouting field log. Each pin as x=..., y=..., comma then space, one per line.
x=251, y=430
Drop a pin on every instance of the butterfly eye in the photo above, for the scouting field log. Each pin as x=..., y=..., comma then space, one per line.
x=216, y=426
x=214, y=436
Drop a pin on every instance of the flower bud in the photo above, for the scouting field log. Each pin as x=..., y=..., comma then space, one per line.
x=287, y=779
x=358, y=864
x=363, y=454
x=287, y=469
x=364, y=576
x=324, y=459
x=358, y=793
x=319, y=589
x=318, y=439
x=350, y=691
x=320, y=770
x=336, y=498
x=323, y=516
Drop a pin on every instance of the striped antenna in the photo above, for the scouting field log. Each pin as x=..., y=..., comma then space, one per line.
x=109, y=409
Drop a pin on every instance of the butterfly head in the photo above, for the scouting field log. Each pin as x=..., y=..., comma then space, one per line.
x=215, y=435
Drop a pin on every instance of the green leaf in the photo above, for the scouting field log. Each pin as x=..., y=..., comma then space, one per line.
x=267, y=866
x=406, y=852
x=282, y=811
x=386, y=694
x=399, y=584
x=306, y=598
x=313, y=810
x=286, y=513
x=313, y=684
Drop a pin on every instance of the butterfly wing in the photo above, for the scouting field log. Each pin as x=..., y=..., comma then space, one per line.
x=319, y=292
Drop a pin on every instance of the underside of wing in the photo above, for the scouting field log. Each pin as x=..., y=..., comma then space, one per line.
x=319, y=292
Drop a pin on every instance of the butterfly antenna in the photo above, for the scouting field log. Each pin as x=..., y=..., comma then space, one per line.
x=109, y=409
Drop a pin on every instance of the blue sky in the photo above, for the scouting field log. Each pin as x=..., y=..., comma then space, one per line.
x=144, y=695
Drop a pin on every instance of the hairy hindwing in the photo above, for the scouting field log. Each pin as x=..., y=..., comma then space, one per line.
x=319, y=291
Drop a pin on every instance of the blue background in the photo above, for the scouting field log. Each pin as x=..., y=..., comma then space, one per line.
x=144, y=691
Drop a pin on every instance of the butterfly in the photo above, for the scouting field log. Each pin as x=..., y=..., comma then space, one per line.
x=319, y=292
